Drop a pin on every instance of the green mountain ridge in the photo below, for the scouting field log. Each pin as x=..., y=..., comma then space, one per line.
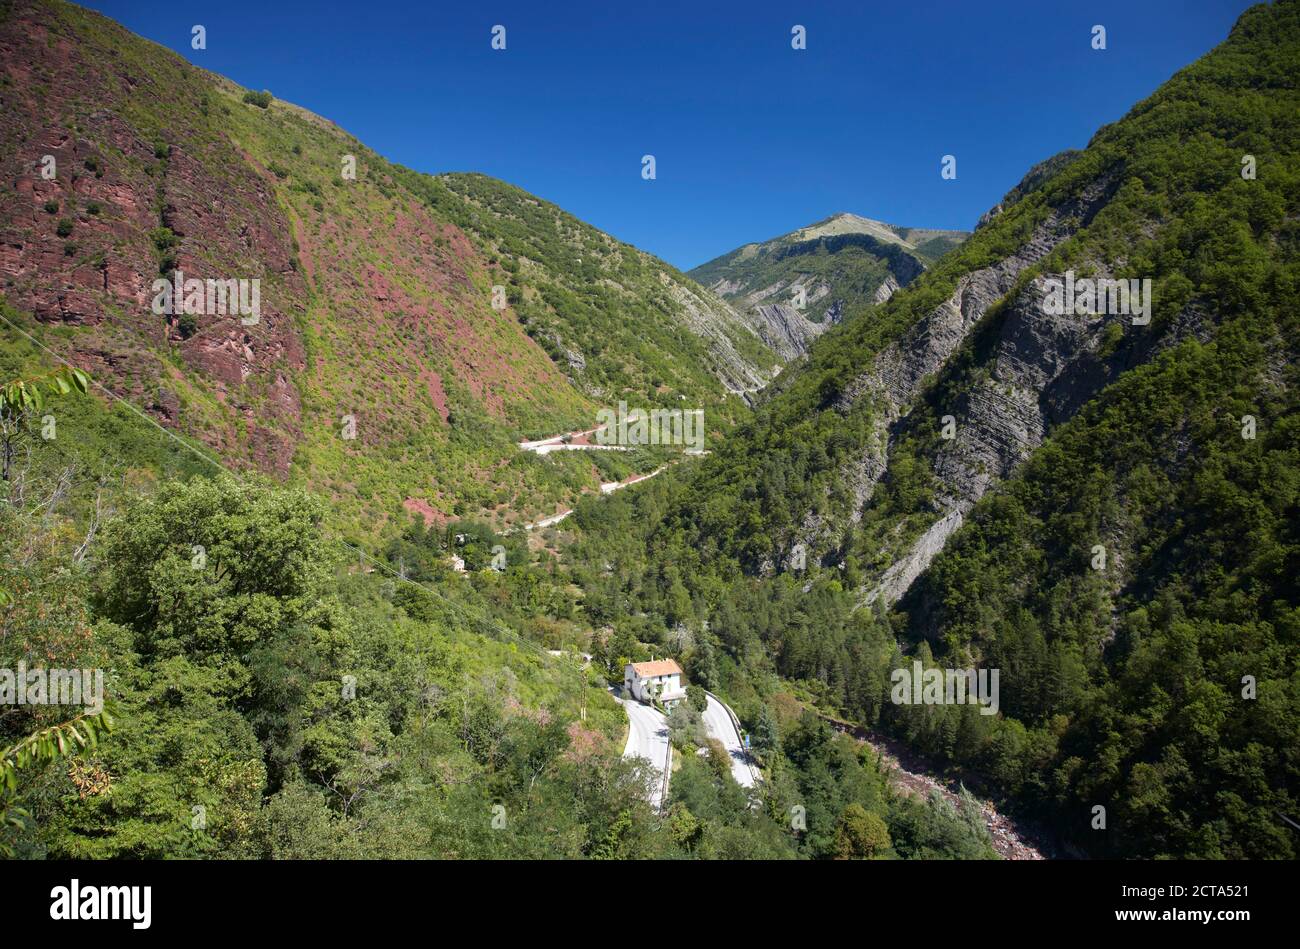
x=794, y=287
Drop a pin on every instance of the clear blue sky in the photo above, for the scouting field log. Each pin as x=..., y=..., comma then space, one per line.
x=751, y=138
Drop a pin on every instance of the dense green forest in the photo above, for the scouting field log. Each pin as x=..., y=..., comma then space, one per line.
x=274, y=692
x=1163, y=689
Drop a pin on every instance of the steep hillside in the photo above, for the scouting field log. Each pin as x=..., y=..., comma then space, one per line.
x=266, y=696
x=1103, y=505
x=1032, y=179
x=378, y=369
x=620, y=322
x=795, y=287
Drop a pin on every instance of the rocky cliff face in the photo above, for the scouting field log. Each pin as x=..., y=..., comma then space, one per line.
x=996, y=368
x=885, y=290
x=78, y=234
x=786, y=330
x=998, y=419
x=724, y=333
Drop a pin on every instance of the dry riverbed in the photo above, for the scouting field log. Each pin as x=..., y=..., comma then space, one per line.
x=1011, y=839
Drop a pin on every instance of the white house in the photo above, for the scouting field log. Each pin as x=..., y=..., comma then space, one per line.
x=661, y=679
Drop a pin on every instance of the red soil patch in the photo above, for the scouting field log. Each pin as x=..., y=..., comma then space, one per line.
x=432, y=516
x=437, y=393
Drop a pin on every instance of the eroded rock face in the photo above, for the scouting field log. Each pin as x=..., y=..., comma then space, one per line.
x=715, y=321
x=898, y=373
x=77, y=248
x=787, y=331
x=1039, y=370
x=885, y=290
x=902, y=573
x=896, y=378
x=1042, y=368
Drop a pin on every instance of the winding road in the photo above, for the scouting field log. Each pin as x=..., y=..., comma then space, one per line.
x=718, y=720
x=647, y=737
x=607, y=487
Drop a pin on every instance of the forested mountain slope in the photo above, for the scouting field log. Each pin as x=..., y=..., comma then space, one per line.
x=276, y=684
x=128, y=164
x=273, y=692
x=795, y=287
x=1104, y=508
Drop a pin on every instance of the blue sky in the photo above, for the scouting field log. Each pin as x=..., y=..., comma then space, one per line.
x=751, y=138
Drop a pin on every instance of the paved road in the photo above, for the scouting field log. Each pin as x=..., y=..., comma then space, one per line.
x=720, y=726
x=608, y=487
x=647, y=737
x=544, y=446
x=548, y=521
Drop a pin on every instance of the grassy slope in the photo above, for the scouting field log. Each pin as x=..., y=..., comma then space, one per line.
x=378, y=289
x=576, y=288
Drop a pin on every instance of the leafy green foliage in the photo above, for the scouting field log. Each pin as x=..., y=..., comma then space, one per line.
x=575, y=289
x=40, y=748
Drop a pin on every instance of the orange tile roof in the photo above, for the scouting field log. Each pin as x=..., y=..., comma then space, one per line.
x=660, y=667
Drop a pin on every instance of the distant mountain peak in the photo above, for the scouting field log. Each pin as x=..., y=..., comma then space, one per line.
x=794, y=287
x=846, y=223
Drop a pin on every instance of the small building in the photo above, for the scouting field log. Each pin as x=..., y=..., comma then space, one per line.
x=660, y=679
